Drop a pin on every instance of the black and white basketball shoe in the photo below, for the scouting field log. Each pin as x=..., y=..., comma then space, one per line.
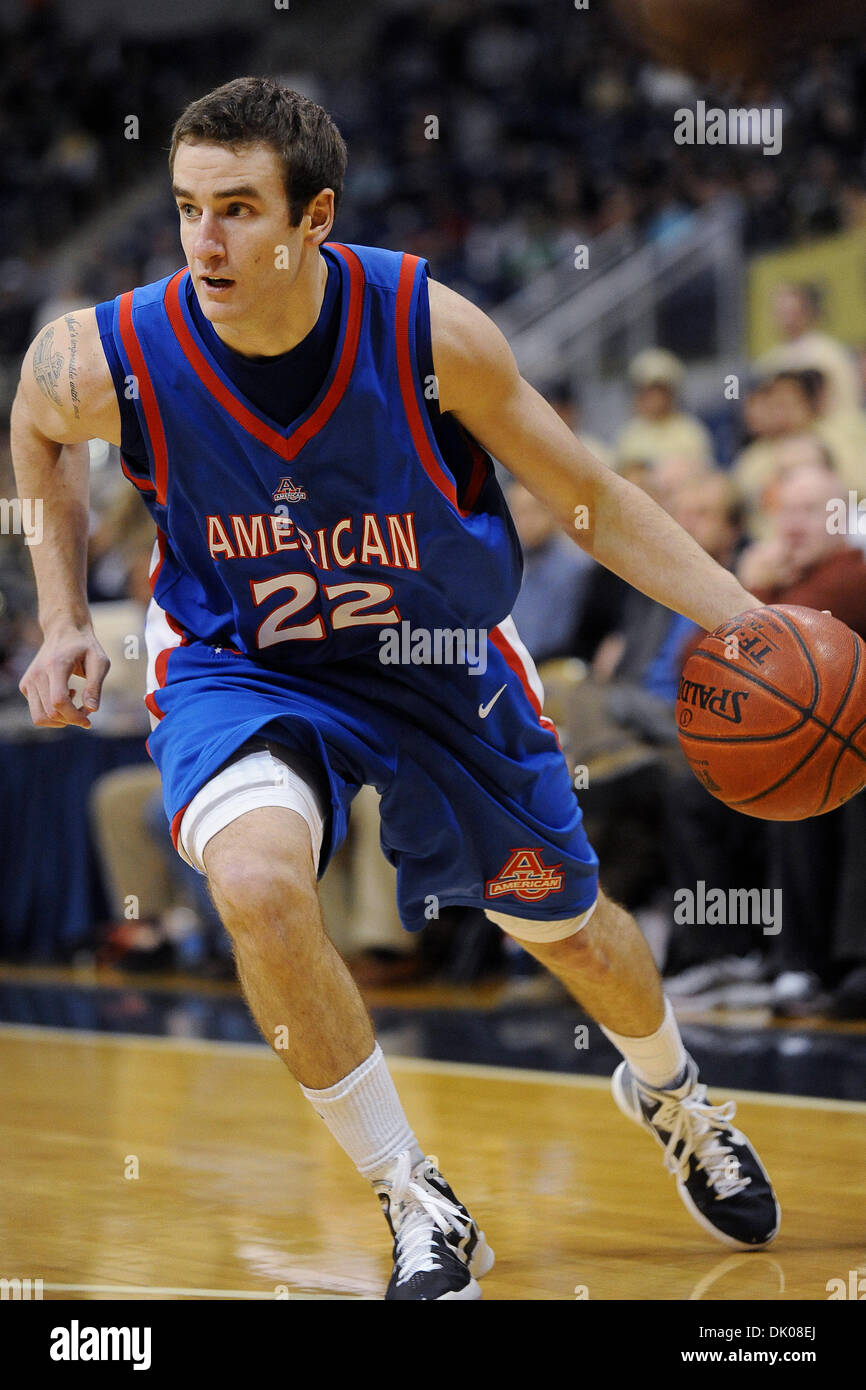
x=719, y=1176
x=438, y=1248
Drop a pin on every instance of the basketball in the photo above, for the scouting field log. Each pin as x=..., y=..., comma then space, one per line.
x=771, y=713
x=737, y=39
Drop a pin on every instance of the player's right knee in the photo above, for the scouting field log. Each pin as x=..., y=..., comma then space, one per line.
x=252, y=885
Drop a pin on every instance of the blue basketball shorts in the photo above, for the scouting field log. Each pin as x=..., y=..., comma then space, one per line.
x=477, y=806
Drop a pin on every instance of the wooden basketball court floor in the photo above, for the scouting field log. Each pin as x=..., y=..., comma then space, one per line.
x=171, y=1168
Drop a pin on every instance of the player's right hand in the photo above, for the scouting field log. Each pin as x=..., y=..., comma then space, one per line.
x=66, y=651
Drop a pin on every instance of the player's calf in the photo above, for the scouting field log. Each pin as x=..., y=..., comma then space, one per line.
x=602, y=959
x=299, y=989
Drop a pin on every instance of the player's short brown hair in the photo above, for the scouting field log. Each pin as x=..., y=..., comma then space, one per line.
x=251, y=110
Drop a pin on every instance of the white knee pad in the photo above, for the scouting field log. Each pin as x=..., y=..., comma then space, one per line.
x=257, y=779
x=522, y=929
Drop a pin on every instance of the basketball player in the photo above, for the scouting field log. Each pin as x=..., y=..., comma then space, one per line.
x=310, y=425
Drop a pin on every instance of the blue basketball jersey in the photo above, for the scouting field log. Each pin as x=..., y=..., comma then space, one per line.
x=297, y=545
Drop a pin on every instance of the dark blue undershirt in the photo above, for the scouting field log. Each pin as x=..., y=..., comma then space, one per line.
x=283, y=387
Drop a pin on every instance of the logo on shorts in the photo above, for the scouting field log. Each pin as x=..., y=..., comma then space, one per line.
x=287, y=492
x=524, y=875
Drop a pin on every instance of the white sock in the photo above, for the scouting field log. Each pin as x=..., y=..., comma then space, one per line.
x=364, y=1114
x=658, y=1060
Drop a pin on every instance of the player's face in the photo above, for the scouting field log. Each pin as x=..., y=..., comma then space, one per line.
x=234, y=226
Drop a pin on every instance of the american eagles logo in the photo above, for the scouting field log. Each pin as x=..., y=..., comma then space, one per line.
x=524, y=875
x=287, y=492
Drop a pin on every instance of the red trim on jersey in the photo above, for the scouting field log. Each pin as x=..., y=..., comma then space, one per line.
x=140, y=483
x=543, y=719
x=349, y=352
x=430, y=463
x=160, y=664
x=513, y=657
x=175, y=825
x=160, y=550
x=146, y=394
x=479, y=472
x=288, y=447
x=504, y=647
x=151, y=705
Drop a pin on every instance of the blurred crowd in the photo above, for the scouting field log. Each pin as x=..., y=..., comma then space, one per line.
x=83, y=118
x=491, y=137
x=549, y=132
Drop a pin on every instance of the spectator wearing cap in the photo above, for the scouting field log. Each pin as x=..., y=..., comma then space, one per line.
x=804, y=346
x=659, y=428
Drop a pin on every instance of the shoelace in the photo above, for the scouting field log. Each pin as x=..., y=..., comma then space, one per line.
x=418, y=1213
x=697, y=1125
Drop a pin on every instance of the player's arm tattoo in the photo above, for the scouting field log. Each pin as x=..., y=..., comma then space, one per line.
x=47, y=366
x=74, y=329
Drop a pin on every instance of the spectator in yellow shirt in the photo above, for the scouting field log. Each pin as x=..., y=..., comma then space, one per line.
x=659, y=428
